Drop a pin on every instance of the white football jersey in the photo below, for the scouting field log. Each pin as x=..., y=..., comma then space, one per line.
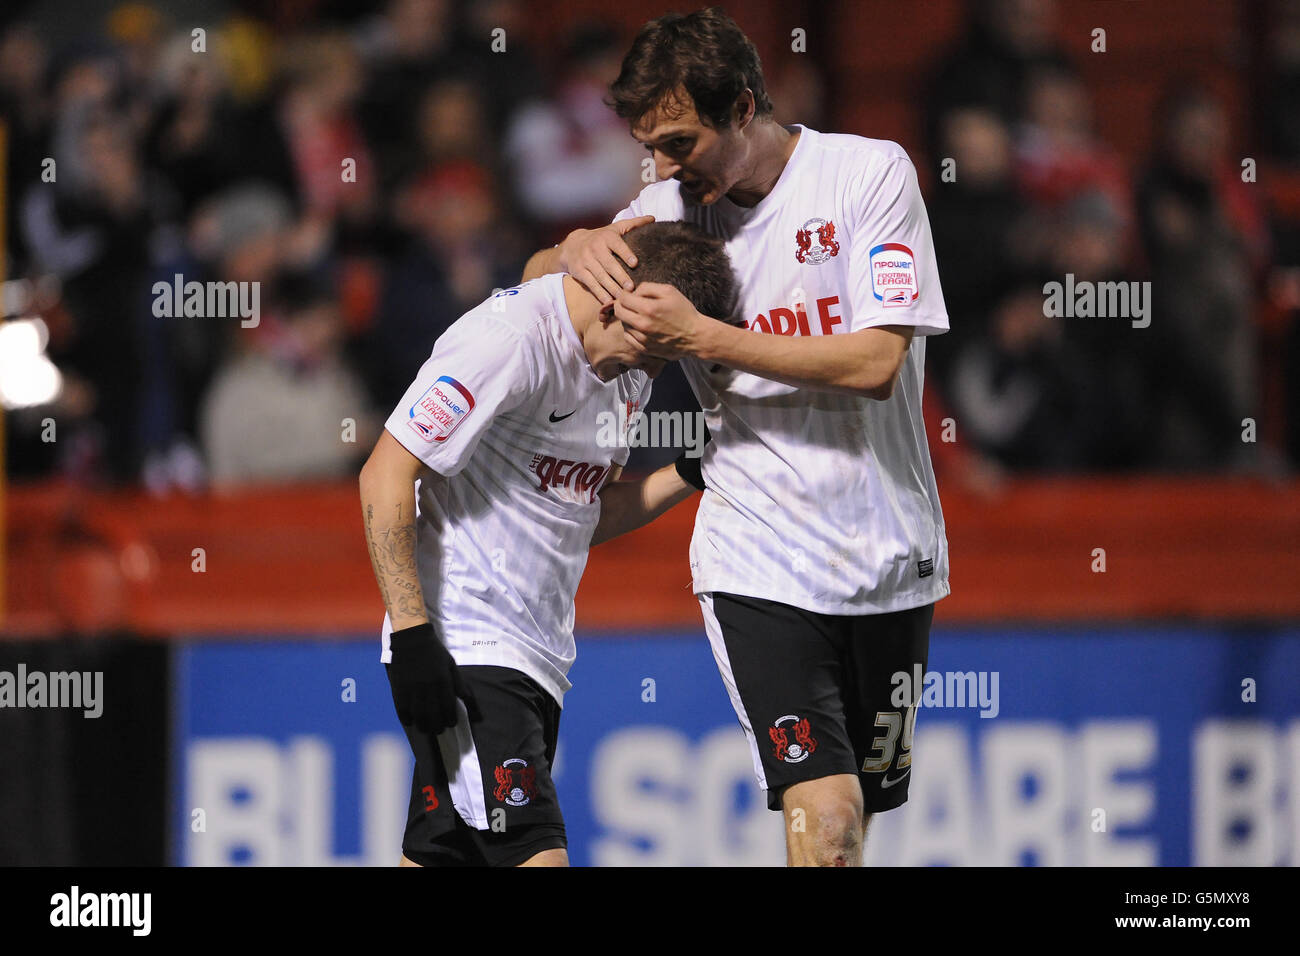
x=820, y=500
x=516, y=424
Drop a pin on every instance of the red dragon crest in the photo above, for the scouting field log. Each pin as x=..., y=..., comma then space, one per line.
x=804, y=240
x=504, y=777
x=780, y=740
x=803, y=730
x=506, y=781
x=826, y=236
x=802, y=734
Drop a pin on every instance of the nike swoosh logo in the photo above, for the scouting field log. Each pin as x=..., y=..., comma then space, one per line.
x=886, y=783
x=562, y=417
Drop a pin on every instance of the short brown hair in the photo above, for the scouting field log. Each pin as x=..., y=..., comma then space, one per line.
x=705, y=53
x=683, y=255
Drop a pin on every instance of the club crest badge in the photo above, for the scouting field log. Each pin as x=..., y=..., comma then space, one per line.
x=801, y=747
x=516, y=782
x=815, y=242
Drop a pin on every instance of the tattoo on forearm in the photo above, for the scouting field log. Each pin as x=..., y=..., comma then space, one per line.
x=374, y=558
x=393, y=557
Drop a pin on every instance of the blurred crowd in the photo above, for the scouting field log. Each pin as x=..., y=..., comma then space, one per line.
x=377, y=172
x=1037, y=196
x=380, y=169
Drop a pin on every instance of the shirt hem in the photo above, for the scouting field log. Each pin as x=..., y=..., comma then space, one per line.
x=904, y=601
x=546, y=681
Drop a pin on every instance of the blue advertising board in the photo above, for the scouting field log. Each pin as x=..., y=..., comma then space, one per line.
x=1064, y=746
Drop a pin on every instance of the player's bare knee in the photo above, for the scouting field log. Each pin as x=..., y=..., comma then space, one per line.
x=836, y=836
x=838, y=828
x=825, y=818
x=834, y=839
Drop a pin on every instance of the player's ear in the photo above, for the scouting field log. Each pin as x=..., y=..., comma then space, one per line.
x=743, y=111
x=607, y=313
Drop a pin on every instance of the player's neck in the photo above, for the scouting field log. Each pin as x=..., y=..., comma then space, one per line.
x=582, y=307
x=772, y=147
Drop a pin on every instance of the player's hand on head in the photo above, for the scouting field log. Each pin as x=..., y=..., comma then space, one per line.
x=425, y=680
x=596, y=257
x=658, y=319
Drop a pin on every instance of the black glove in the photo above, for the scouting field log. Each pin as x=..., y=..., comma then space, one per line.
x=689, y=468
x=426, y=681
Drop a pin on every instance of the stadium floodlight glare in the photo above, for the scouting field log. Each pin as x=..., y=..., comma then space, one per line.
x=27, y=377
x=16, y=297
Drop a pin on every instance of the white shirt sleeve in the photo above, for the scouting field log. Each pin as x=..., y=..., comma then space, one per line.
x=477, y=370
x=632, y=211
x=893, y=276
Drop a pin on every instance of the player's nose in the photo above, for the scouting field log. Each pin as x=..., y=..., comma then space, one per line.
x=666, y=168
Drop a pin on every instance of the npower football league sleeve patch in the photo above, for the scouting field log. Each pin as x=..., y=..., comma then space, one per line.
x=893, y=275
x=444, y=405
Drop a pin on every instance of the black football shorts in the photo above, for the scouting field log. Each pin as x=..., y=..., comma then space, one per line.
x=482, y=793
x=815, y=693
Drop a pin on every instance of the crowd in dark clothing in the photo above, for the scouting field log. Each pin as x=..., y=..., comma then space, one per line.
x=356, y=169
x=1038, y=196
x=382, y=170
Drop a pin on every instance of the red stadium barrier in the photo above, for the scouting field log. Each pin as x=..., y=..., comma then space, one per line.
x=293, y=560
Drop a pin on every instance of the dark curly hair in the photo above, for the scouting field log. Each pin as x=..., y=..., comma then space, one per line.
x=705, y=53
